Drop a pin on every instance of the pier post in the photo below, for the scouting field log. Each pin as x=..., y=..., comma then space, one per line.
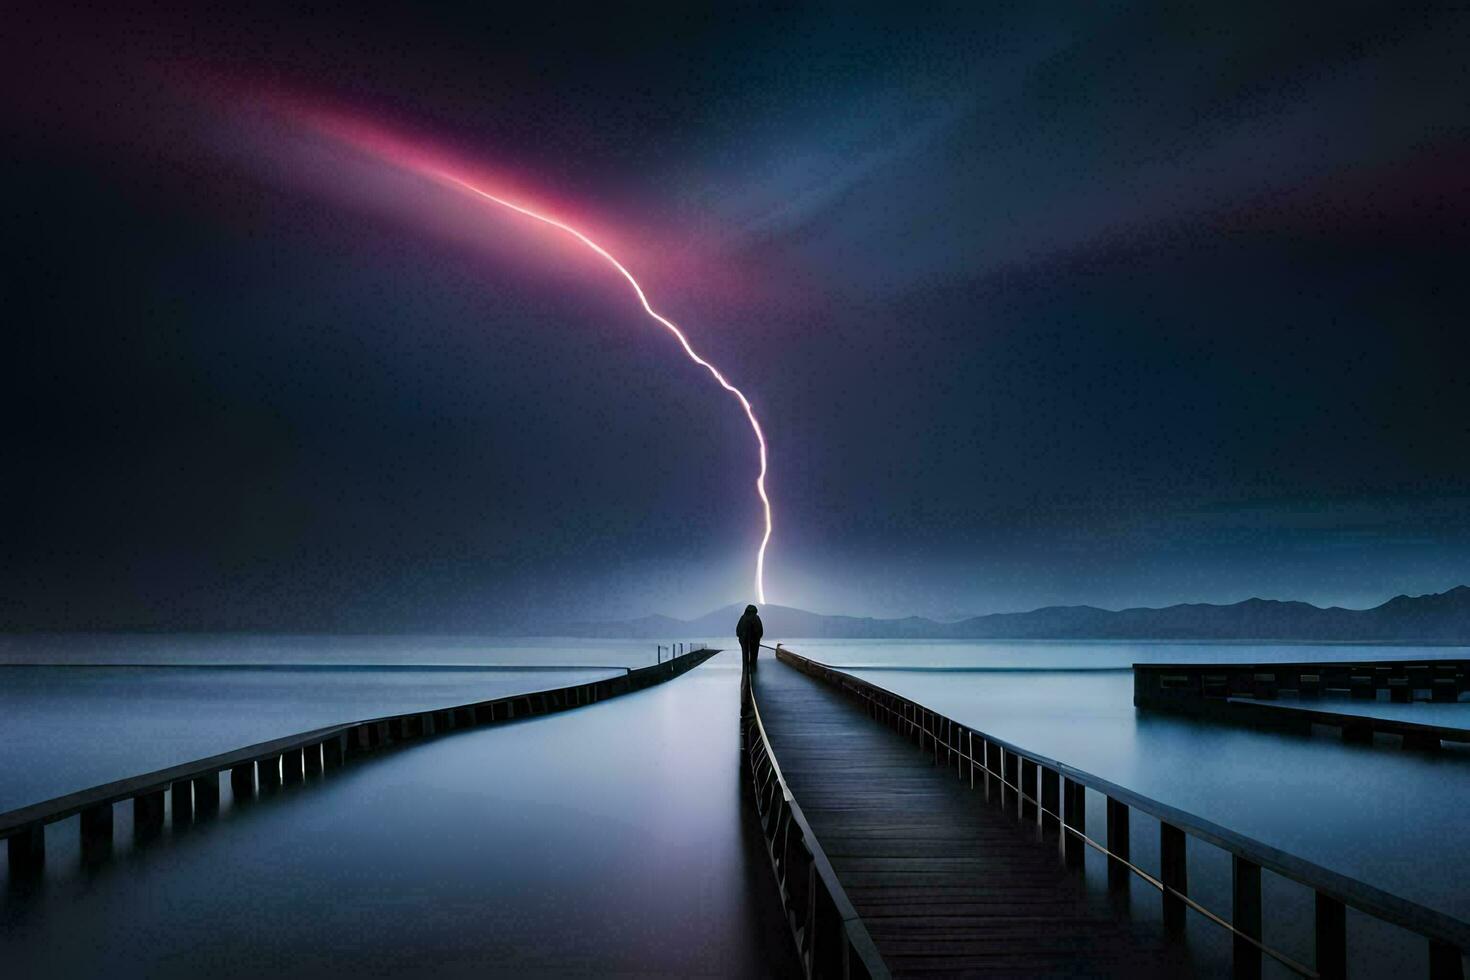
x=1118, y=845
x=242, y=782
x=333, y=751
x=970, y=752
x=1074, y=815
x=26, y=850
x=181, y=796
x=269, y=770
x=313, y=757
x=206, y=793
x=359, y=740
x=148, y=814
x=96, y=832
x=1029, y=791
x=291, y=766
x=1422, y=741
x=1245, y=915
x=1331, y=938
x=1011, y=781
x=1445, y=962
x=1174, y=872
x=426, y=723
x=1051, y=792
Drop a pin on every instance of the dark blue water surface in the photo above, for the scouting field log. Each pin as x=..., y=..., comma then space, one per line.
x=606, y=841
x=611, y=840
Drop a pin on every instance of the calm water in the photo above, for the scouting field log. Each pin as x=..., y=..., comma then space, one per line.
x=606, y=841
x=1391, y=817
x=234, y=648
x=609, y=840
x=65, y=726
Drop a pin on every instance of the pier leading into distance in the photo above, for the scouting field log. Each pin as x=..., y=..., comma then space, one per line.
x=890, y=861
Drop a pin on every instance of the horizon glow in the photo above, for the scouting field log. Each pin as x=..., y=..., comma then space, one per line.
x=411, y=157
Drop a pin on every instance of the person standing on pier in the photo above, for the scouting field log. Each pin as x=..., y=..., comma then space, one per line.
x=749, y=631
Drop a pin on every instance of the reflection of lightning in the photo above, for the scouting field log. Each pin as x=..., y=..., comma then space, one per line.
x=760, y=480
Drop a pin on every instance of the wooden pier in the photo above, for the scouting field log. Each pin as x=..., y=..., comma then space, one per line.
x=192, y=789
x=1288, y=695
x=1401, y=681
x=888, y=864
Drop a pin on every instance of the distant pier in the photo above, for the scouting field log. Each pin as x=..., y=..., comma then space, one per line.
x=192, y=789
x=1285, y=695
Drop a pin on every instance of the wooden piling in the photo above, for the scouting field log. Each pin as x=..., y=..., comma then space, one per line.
x=148, y=813
x=206, y=793
x=181, y=800
x=1074, y=815
x=1331, y=938
x=268, y=771
x=1011, y=768
x=242, y=782
x=292, y=768
x=1030, y=790
x=26, y=851
x=1051, y=796
x=1446, y=962
x=1174, y=872
x=96, y=825
x=359, y=739
x=1245, y=916
x=1118, y=845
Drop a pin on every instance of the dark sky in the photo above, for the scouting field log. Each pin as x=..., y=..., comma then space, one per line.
x=1105, y=304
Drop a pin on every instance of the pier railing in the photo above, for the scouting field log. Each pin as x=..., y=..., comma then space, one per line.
x=194, y=787
x=831, y=940
x=1050, y=794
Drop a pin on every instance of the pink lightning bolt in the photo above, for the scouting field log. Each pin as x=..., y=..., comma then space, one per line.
x=416, y=157
x=755, y=426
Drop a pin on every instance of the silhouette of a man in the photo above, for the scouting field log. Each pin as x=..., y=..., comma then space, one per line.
x=749, y=631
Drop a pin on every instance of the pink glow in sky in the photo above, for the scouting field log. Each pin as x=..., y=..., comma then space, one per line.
x=412, y=157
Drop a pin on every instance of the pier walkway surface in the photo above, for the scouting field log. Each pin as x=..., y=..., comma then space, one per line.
x=944, y=884
x=607, y=840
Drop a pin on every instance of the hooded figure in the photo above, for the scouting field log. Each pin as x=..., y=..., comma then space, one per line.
x=749, y=632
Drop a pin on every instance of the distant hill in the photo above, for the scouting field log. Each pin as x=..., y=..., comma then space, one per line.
x=1442, y=617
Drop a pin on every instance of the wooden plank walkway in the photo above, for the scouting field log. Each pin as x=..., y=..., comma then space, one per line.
x=945, y=883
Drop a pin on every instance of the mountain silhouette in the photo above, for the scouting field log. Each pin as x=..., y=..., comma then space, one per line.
x=1442, y=617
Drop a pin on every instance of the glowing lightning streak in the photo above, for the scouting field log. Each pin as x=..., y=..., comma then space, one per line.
x=760, y=480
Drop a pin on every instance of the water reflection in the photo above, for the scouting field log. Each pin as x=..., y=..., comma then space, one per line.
x=67, y=728
x=608, y=839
